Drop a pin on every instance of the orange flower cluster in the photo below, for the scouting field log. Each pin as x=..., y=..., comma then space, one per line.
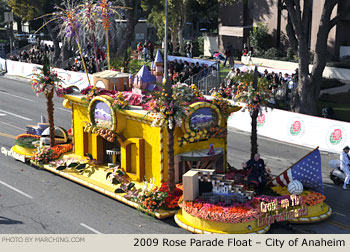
x=59, y=149
x=27, y=136
x=313, y=198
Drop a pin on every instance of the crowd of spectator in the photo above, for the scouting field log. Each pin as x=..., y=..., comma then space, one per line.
x=282, y=86
x=180, y=71
x=89, y=58
x=34, y=55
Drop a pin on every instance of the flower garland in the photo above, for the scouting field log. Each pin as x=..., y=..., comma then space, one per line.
x=198, y=135
x=60, y=149
x=223, y=104
x=236, y=213
x=309, y=198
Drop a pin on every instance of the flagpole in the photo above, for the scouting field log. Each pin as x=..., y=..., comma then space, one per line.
x=292, y=165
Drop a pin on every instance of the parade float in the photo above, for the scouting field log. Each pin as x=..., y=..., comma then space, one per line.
x=119, y=146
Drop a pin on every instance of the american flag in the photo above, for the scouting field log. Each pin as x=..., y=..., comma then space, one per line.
x=308, y=171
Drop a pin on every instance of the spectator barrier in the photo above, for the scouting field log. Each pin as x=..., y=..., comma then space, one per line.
x=2, y=64
x=70, y=78
x=329, y=135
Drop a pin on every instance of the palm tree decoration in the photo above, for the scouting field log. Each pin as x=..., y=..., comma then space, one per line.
x=70, y=26
x=88, y=12
x=47, y=82
x=255, y=93
x=106, y=12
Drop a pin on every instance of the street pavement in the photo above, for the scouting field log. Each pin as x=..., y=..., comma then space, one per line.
x=36, y=201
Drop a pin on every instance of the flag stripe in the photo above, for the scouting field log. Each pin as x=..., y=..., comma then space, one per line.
x=285, y=176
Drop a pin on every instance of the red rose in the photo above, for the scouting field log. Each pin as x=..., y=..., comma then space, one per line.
x=261, y=119
x=337, y=134
x=296, y=126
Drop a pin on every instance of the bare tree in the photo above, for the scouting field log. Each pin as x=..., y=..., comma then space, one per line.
x=308, y=90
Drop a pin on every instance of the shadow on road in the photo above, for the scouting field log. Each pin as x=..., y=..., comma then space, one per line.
x=7, y=221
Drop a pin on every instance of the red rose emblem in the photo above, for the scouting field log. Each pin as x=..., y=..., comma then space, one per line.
x=261, y=119
x=296, y=126
x=337, y=134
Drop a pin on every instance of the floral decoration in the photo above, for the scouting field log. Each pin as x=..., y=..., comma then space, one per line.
x=45, y=81
x=235, y=213
x=173, y=109
x=26, y=140
x=255, y=99
x=171, y=200
x=60, y=149
x=42, y=155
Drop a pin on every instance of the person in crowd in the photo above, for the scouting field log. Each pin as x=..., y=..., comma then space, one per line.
x=245, y=49
x=139, y=50
x=188, y=49
x=231, y=74
x=150, y=48
x=227, y=53
x=345, y=164
x=256, y=173
x=145, y=53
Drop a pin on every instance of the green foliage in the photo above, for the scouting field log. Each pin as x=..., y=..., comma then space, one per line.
x=26, y=9
x=260, y=38
x=273, y=53
x=26, y=142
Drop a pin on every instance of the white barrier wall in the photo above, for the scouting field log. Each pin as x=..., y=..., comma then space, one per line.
x=285, y=66
x=2, y=64
x=26, y=70
x=311, y=131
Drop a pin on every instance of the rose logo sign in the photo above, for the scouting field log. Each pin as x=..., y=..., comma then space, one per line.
x=336, y=137
x=261, y=120
x=295, y=128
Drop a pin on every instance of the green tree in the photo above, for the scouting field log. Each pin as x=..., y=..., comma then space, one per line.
x=30, y=9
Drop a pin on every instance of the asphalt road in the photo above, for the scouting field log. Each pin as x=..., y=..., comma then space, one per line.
x=37, y=201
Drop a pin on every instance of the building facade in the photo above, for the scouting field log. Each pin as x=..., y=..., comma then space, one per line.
x=236, y=22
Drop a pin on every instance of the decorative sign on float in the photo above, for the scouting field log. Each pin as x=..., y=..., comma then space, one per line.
x=101, y=113
x=103, y=120
x=203, y=115
x=203, y=122
x=284, y=211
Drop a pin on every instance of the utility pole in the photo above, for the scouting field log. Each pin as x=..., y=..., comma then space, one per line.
x=9, y=19
x=165, y=78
